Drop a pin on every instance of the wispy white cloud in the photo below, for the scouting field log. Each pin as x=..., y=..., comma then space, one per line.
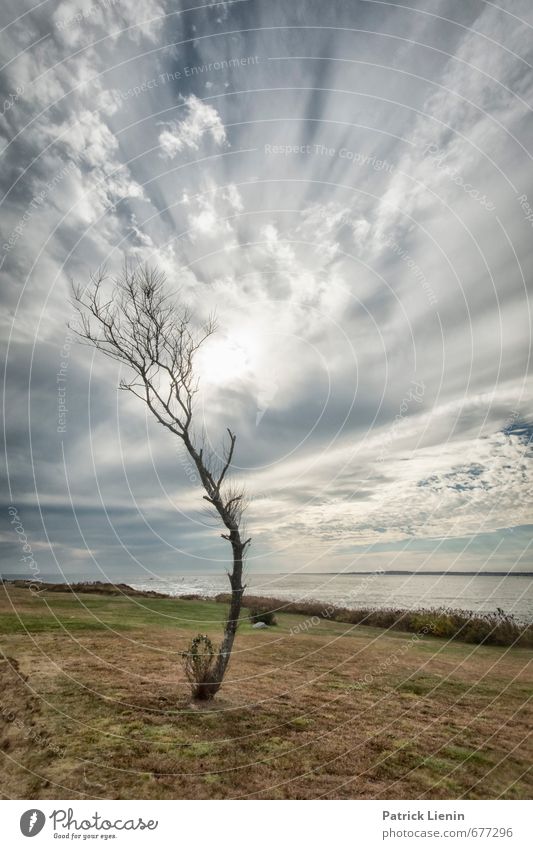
x=201, y=120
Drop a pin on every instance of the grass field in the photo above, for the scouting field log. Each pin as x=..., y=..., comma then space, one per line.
x=94, y=704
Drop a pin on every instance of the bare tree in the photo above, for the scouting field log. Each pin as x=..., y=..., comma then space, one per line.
x=140, y=325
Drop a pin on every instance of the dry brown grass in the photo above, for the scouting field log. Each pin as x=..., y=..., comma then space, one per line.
x=295, y=718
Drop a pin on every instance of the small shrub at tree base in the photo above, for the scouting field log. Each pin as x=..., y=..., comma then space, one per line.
x=198, y=664
x=258, y=614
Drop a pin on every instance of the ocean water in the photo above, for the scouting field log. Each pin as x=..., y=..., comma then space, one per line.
x=477, y=593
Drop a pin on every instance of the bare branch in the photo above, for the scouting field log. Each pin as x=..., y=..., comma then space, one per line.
x=229, y=457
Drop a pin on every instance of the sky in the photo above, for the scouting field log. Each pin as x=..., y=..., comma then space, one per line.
x=349, y=187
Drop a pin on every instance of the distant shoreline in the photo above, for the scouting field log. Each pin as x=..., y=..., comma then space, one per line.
x=395, y=573
x=388, y=573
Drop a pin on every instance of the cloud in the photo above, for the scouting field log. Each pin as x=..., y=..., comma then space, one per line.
x=334, y=221
x=75, y=21
x=209, y=211
x=201, y=120
x=413, y=493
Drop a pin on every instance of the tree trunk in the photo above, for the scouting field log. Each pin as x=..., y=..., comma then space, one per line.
x=207, y=689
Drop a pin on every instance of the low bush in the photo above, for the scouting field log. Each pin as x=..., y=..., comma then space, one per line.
x=495, y=628
x=198, y=664
x=258, y=614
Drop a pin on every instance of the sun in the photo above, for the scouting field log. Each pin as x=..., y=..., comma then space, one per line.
x=224, y=360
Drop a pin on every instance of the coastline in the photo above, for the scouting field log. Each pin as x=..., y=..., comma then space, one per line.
x=493, y=628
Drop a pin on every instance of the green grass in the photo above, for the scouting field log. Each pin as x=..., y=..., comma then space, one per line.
x=57, y=612
x=461, y=754
x=12, y=623
x=50, y=611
